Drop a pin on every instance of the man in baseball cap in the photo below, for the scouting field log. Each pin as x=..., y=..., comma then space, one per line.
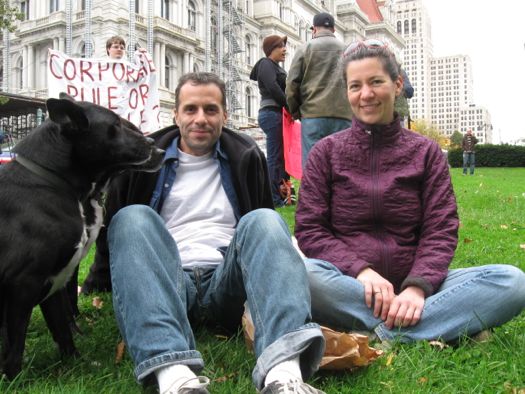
x=314, y=91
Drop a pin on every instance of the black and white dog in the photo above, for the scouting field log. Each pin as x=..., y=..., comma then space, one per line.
x=50, y=214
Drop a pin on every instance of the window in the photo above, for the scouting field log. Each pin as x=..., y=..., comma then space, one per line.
x=167, y=71
x=248, y=49
x=137, y=7
x=24, y=9
x=165, y=9
x=406, y=27
x=82, y=5
x=19, y=72
x=192, y=16
x=53, y=6
x=413, y=26
x=249, y=102
x=214, y=33
x=399, y=27
x=281, y=11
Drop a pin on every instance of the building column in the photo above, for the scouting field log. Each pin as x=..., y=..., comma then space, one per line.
x=56, y=44
x=30, y=67
x=62, y=45
x=162, y=69
x=156, y=60
x=186, y=63
x=23, y=75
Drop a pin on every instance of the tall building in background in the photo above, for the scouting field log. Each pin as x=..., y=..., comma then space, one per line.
x=451, y=89
x=478, y=120
x=412, y=22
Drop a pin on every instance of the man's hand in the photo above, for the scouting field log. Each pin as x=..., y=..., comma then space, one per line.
x=379, y=289
x=406, y=308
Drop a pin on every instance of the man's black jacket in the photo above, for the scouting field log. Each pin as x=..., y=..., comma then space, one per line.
x=249, y=176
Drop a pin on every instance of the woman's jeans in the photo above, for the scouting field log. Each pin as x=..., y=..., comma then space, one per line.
x=271, y=123
x=469, y=301
x=153, y=295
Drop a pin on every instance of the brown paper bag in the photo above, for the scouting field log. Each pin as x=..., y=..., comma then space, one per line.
x=344, y=351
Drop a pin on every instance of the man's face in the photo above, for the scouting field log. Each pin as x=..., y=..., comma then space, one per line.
x=200, y=117
x=116, y=51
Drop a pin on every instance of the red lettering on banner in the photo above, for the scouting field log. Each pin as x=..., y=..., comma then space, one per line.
x=156, y=108
x=122, y=71
x=111, y=97
x=74, y=69
x=151, y=64
x=84, y=70
x=129, y=74
x=57, y=76
x=133, y=98
x=144, y=90
x=72, y=91
x=101, y=69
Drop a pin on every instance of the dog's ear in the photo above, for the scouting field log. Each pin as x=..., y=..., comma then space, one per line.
x=69, y=115
x=65, y=96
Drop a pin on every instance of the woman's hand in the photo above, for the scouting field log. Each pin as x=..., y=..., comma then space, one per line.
x=379, y=289
x=406, y=308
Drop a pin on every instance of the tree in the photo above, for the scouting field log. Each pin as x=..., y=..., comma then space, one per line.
x=9, y=16
x=430, y=131
x=455, y=139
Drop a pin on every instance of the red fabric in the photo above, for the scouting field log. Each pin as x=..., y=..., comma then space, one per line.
x=292, y=145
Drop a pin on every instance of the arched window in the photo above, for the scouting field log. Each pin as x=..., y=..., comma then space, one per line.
x=413, y=26
x=192, y=16
x=167, y=72
x=399, y=27
x=83, y=50
x=248, y=49
x=406, y=27
x=165, y=9
x=249, y=102
x=195, y=67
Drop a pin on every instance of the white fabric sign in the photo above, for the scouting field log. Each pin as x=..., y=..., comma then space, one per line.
x=128, y=89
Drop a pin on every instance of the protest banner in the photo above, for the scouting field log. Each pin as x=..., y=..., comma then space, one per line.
x=292, y=145
x=127, y=88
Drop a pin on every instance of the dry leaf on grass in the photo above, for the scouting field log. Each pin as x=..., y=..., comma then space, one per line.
x=522, y=246
x=343, y=350
x=467, y=240
x=97, y=302
x=422, y=380
x=119, y=354
x=389, y=359
x=438, y=344
x=224, y=378
x=504, y=226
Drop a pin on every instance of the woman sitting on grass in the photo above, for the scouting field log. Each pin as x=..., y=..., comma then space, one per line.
x=377, y=218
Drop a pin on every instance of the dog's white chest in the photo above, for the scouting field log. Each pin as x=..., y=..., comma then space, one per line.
x=88, y=236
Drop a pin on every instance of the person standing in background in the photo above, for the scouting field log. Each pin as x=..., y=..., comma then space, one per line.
x=469, y=155
x=271, y=78
x=314, y=93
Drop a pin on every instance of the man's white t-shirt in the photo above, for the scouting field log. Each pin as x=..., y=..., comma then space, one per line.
x=197, y=211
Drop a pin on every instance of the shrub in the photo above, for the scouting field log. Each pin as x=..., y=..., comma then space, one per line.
x=492, y=156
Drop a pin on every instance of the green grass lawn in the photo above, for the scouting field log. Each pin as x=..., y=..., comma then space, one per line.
x=492, y=212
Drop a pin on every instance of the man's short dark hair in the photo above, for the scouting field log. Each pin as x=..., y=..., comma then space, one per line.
x=201, y=78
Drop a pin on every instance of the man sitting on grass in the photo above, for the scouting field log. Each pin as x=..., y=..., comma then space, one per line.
x=190, y=244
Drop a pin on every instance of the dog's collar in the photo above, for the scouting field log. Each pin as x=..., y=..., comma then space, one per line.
x=49, y=176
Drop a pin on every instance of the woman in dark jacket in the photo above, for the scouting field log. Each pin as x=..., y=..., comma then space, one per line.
x=377, y=217
x=272, y=81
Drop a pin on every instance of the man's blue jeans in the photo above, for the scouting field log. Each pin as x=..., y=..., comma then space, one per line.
x=153, y=295
x=271, y=123
x=469, y=159
x=469, y=301
x=314, y=129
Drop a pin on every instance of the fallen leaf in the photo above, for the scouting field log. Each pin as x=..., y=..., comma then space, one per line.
x=224, y=378
x=119, y=354
x=504, y=226
x=438, y=344
x=389, y=359
x=422, y=380
x=97, y=302
x=222, y=337
x=467, y=240
x=522, y=246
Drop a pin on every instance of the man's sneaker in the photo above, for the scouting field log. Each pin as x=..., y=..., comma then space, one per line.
x=295, y=387
x=192, y=386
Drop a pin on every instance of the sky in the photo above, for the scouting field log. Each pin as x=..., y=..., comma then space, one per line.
x=492, y=33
